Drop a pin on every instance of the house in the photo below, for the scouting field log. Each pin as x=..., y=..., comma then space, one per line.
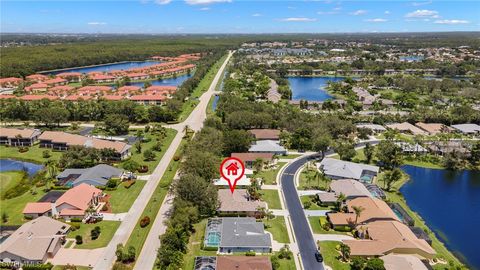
x=249, y=159
x=149, y=99
x=242, y=182
x=350, y=188
x=55, y=82
x=383, y=237
x=411, y=148
x=373, y=209
x=373, y=127
x=470, y=129
x=434, y=128
x=265, y=134
x=239, y=203
x=101, y=78
x=237, y=234
x=447, y=147
x=408, y=128
x=36, y=78
x=339, y=169
x=61, y=141
x=37, y=87
x=327, y=198
x=70, y=76
x=18, y=136
x=268, y=146
x=10, y=82
x=34, y=242
x=243, y=263
x=74, y=203
x=95, y=176
x=402, y=262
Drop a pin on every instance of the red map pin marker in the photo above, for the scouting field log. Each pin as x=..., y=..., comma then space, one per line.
x=232, y=169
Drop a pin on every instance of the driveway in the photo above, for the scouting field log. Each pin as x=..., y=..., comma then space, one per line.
x=331, y=237
x=82, y=257
x=309, y=192
x=316, y=213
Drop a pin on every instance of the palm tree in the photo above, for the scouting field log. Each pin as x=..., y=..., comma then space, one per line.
x=318, y=175
x=340, y=198
x=358, y=211
x=345, y=250
x=258, y=165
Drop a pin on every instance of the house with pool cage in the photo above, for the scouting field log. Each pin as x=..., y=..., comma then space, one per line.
x=236, y=234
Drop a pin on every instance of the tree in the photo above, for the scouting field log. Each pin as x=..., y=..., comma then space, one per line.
x=51, y=114
x=116, y=124
x=345, y=149
x=358, y=211
x=148, y=155
x=475, y=154
x=258, y=165
x=78, y=239
x=340, y=199
x=358, y=263
x=236, y=141
x=198, y=192
x=275, y=262
x=321, y=144
x=345, y=251
x=138, y=146
x=389, y=154
x=131, y=165
x=374, y=264
x=368, y=151
x=391, y=177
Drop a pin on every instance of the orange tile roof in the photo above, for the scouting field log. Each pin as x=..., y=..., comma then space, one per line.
x=243, y=263
x=79, y=196
x=148, y=97
x=37, y=208
x=7, y=96
x=129, y=88
x=55, y=80
x=62, y=88
x=98, y=77
x=162, y=88
x=373, y=209
x=23, y=132
x=112, y=97
x=37, y=77
x=38, y=97
x=95, y=88
x=69, y=74
x=78, y=97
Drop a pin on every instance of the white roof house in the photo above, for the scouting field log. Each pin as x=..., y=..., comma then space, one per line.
x=339, y=169
x=411, y=148
x=268, y=146
x=373, y=127
x=467, y=128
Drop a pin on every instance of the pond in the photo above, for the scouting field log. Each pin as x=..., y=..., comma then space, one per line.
x=165, y=82
x=311, y=88
x=449, y=202
x=107, y=67
x=15, y=165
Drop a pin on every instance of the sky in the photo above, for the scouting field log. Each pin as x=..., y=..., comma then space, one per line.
x=237, y=16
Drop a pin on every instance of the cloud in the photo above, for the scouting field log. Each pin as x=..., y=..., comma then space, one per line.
x=298, y=19
x=423, y=13
x=417, y=4
x=206, y=2
x=162, y=2
x=205, y=9
x=358, y=12
x=451, y=22
x=376, y=20
x=256, y=15
x=96, y=23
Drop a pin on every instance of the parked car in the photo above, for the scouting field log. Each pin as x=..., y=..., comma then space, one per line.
x=318, y=256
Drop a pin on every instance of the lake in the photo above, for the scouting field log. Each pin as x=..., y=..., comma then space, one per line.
x=311, y=88
x=165, y=82
x=15, y=165
x=449, y=202
x=108, y=67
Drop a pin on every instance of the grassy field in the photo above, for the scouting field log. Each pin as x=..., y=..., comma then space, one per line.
x=107, y=230
x=271, y=197
x=330, y=255
x=139, y=234
x=270, y=176
x=34, y=154
x=14, y=207
x=278, y=229
x=203, y=86
x=122, y=198
x=138, y=157
x=9, y=180
x=195, y=244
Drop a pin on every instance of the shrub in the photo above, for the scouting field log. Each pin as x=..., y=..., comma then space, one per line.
x=131, y=165
x=250, y=253
x=149, y=155
x=307, y=204
x=75, y=219
x=129, y=183
x=275, y=262
x=78, y=239
x=46, y=266
x=145, y=221
x=176, y=158
x=4, y=217
x=69, y=267
x=95, y=233
x=23, y=149
x=143, y=169
x=112, y=183
x=46, y=154
x=105, y=207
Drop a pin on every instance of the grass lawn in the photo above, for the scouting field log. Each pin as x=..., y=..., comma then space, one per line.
x=203, y=86
x=271, y=197
x=14, y=207
x=313, y=184
x=330, y=254
x=420, y=163
x=316, y=224
x=442, y=251
x=278, y=229
x=9, y=180
x=139, y=234
x=122, y=198
x=270, y=176
x=314, y=205
x=34, y=154
x=107, y=230
x=195, y=244
x=69, y=243
x=287, y=264
x=138, y=157
x=289, y=156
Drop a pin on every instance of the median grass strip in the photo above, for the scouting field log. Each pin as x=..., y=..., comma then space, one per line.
x=122, y=198
x=203, y=86
x=271, y=197
x=139, y=234
x=277, y=227
x=107, y=230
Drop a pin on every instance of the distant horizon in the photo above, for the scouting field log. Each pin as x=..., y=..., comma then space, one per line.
x=237, y=16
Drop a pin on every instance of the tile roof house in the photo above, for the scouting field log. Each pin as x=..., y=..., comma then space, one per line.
x=74, y=203
x=95, y=176
x=10, y=82
x=385, y=237
x=350, y=188
x=434, y=128
x=467, y=128
x=265, y=134
x=250, y=158
x=59, y=140
x=339, y=169
x=19, y=136
x=243, y=263
x=411, y=148
x=402, y=262
x=373, y=209
x=373, y=127
x=34, y=242
x=406, y=127
x=267, y=146
x=238, y=203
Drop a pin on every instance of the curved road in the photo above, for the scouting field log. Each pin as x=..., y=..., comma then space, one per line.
x=303, y=235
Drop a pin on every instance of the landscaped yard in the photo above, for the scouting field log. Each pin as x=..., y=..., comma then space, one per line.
x=138, y=157
x=270, y=176
x=122, y=198
x=14, y=207
x=287, y=264
x=195, y=244
x=107, y=230
x=278, y=229
x=9, y=180
x=313, y=203
x=34, y=154
x=330, y=254
x=316, y=224
x=271, y=197
x=307, y=180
